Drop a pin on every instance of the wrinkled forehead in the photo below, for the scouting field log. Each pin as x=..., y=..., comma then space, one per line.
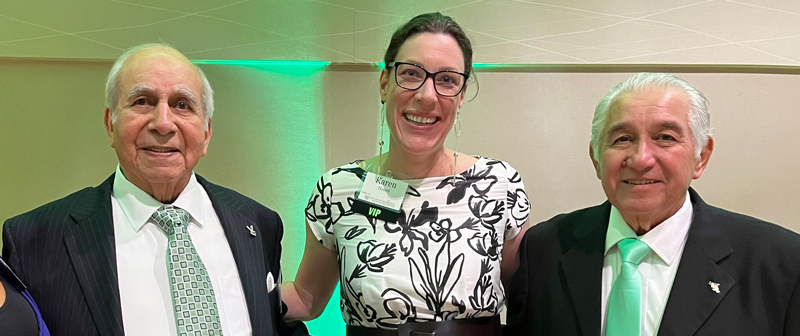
x=163, y=66
x=652, y=105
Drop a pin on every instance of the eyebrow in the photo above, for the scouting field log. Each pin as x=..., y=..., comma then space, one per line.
x=666, y=125
x=446, y=68
x=140, y=90
x=618, y=127
x=672, y=126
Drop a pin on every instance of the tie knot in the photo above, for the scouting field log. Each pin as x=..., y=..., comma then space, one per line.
x=168, y=216
x=633, y=250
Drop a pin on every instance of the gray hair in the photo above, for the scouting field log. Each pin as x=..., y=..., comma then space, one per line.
x=112, y=82
x=699, y=118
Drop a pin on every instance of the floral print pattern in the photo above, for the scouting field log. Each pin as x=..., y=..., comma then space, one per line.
x=439, y=261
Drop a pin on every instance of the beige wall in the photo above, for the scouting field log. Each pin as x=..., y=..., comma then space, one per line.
x=52, y=139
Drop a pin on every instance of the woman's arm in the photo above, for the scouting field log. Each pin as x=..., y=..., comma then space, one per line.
x=510, y=254
x=307, y=296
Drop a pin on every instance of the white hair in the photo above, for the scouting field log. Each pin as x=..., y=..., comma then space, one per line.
x=112, y=82
x=699, y=118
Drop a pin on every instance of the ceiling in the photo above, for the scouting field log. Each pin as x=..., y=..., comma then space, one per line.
x=503, y=31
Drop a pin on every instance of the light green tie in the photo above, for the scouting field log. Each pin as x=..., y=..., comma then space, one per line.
x=624, y=316
x=192, y=295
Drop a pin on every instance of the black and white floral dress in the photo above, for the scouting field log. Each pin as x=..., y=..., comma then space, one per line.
x=439, y=261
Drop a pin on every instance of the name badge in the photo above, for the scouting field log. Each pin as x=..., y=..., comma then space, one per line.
x=383, y=191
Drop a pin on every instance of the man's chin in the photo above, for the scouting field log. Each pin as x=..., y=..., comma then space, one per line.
x=638, y=206
x=165, y=175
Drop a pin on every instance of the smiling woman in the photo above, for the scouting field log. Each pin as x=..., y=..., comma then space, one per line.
x=433, y=262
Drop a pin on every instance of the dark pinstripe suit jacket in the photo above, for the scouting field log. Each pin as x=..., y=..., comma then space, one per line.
x=65, y=252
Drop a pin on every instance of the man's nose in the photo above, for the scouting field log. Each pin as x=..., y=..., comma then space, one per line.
x=641, y=156
x=162, y=120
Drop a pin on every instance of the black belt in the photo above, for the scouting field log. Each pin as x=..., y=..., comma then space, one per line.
x=482, y=326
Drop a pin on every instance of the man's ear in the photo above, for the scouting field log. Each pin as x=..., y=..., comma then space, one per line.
x=702, y=162
x=208, y=138
x=594, y=162
x=109, y=124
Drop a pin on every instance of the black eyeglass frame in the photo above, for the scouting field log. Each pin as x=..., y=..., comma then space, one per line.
x=428, y=74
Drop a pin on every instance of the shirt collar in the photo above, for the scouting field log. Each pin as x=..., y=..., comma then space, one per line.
x=138, y=206
x=665, y=239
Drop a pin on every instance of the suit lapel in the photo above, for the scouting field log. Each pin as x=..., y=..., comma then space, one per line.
x=582, y=267
x=91, y=250
x=247, y=251
x=693, y=298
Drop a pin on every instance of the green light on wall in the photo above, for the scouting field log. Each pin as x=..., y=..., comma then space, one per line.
x=279, y=127
x=317, y=64
x=292, y=68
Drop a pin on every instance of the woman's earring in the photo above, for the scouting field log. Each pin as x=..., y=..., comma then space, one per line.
x=457, y=126
x=380, y=140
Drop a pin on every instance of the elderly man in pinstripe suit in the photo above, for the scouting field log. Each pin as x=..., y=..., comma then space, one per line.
x=155, y=249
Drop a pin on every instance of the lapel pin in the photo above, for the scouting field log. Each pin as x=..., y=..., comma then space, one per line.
x=714, y=286
x=253, y=233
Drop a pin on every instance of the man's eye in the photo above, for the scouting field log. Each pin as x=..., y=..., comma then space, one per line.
x=182, y=105
x=622, y=139
x=665, y=137
x=140, y=101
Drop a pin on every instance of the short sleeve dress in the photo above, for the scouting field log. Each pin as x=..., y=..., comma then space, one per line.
x=439, y=261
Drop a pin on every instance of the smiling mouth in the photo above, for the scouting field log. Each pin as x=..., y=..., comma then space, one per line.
x=421, y=121
x=161, y=150
x=640, y=182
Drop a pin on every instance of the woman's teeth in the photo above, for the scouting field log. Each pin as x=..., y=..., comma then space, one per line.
x=419, y=120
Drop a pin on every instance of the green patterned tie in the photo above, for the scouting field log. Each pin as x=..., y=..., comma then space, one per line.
x=625, y=301
x=192, y=295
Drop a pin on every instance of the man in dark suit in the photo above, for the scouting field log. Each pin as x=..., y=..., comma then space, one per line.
x=655, y=259
x=155, y=249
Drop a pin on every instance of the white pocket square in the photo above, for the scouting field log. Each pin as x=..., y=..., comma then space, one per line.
x=270, y=282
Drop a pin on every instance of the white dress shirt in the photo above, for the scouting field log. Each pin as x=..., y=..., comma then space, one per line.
x=144, y=287
x=658, y=268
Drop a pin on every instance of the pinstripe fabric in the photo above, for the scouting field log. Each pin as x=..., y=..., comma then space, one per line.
x=65, y=252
